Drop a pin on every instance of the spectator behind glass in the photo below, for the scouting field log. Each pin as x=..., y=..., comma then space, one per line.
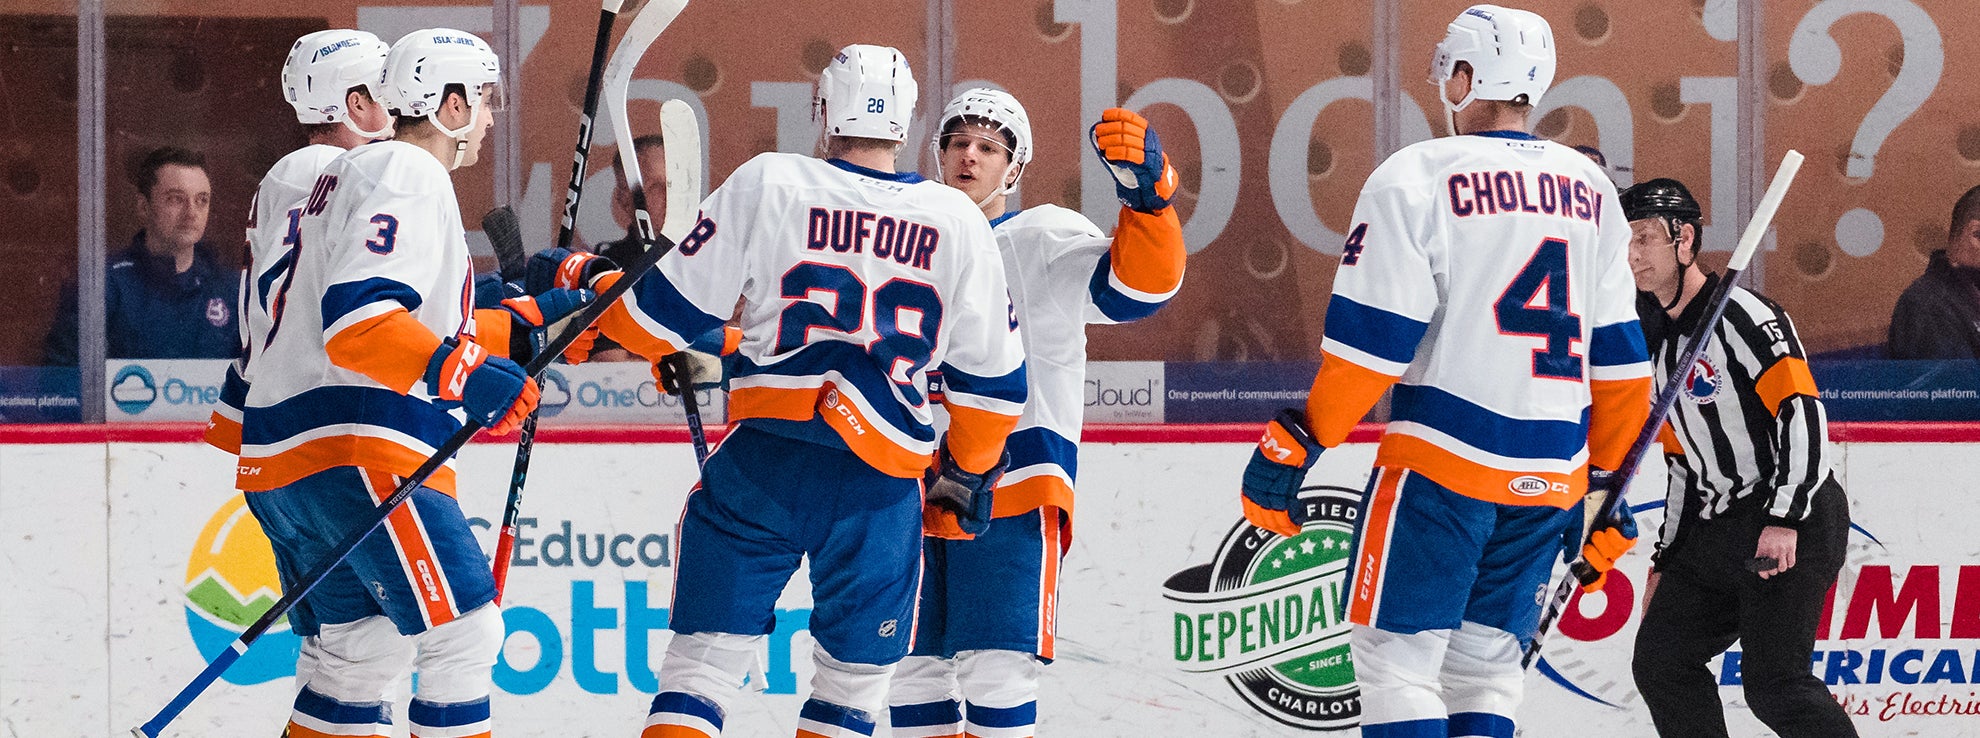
x=1938, y=316
x=652, y=155
x=165, y=297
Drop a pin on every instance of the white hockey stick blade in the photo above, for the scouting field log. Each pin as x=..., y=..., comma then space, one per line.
x=640, y=34
x=682, y=134
x=1763, y=214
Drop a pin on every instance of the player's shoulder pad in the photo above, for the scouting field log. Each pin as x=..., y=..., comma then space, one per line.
x=1050, y=219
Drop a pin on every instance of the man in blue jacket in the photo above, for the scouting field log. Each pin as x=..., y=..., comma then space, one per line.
x=165, y=297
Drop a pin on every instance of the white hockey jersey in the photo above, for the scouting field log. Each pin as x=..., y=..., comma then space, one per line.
x=1486, y=278
x=381, y=275
x=1064, y=274
x=274, y=227
x=854, y=284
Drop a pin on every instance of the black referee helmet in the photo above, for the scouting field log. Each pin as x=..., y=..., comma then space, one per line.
x=1669, y=200
x=1662, y=196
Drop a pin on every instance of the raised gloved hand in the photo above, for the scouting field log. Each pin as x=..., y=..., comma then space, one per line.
x=1278, y=467
x=494, y=391
x=958, y=504
x=1606, y=542
x=557, y=268
x=1142, y=176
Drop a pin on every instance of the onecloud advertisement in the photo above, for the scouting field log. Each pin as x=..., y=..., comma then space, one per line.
x=157, y=390
x=1176, y=618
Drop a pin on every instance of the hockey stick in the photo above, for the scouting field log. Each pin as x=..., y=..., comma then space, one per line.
x=578, y=325
x=506, y=238
x=682, y=136
x=608, y=12
x=1580, y=572
x=618, y=81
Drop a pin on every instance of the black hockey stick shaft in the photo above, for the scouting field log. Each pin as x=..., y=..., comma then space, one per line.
x=581, y=154
x=608, y=13
x=412, y=482
x=1580, y=572
x=506, y=238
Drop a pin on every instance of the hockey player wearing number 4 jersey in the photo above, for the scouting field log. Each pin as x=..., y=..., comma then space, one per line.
x=988, y=603
x=855, y=282
x=1485, y=280
x=370, y=361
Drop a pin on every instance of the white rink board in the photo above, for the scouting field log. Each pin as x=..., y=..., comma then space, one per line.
x=95, y=631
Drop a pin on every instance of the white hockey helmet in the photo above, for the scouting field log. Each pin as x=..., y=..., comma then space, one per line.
x=422, y=64
x=867, y=92
x=999, y=110
x=324, y=66
x=1511, y=53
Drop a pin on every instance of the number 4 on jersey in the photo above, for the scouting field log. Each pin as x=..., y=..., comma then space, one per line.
x=1351, y=251
x=1536, y=304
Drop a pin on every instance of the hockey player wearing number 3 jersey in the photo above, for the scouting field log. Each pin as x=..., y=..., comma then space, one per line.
x=988, y=603
x=1485, y=279
x=855, y=282
x=370, y=361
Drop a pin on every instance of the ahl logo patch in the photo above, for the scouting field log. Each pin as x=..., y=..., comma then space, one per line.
x=1703, y=386
x=1266, y=616
x=1528, y=486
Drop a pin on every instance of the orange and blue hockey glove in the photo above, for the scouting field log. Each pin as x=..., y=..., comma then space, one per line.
x=558, y=268
x=493, y=390
x=531, y=314
x=1142, y=176
x=1277, y=469
x=958, y=504
x=1607, y=540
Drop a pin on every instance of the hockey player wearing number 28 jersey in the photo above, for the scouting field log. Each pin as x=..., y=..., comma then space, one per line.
x=1485, y=280
x=370, y=362
x=988, y=603
x=855, y=282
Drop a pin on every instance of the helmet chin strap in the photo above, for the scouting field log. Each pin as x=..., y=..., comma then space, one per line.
x=1003, y=189
x=1683, y=266
x=1452, y=109
x=458, y=135
x=351, y=123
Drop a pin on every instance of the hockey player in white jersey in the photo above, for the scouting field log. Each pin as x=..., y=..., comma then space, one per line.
x=1485, y=280
x=855, y=281
x=371, y=360
x=327, y=79
x=988, y=603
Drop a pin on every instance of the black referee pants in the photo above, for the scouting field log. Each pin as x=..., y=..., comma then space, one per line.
x=1706, y=599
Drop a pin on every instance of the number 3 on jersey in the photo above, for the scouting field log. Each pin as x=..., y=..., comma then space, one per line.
x=1536, y=304
x=906, y=315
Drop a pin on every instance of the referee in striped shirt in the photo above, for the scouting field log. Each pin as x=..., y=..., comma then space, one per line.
x=1755, y=525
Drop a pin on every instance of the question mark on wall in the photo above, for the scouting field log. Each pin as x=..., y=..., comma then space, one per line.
x=1815, y=58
